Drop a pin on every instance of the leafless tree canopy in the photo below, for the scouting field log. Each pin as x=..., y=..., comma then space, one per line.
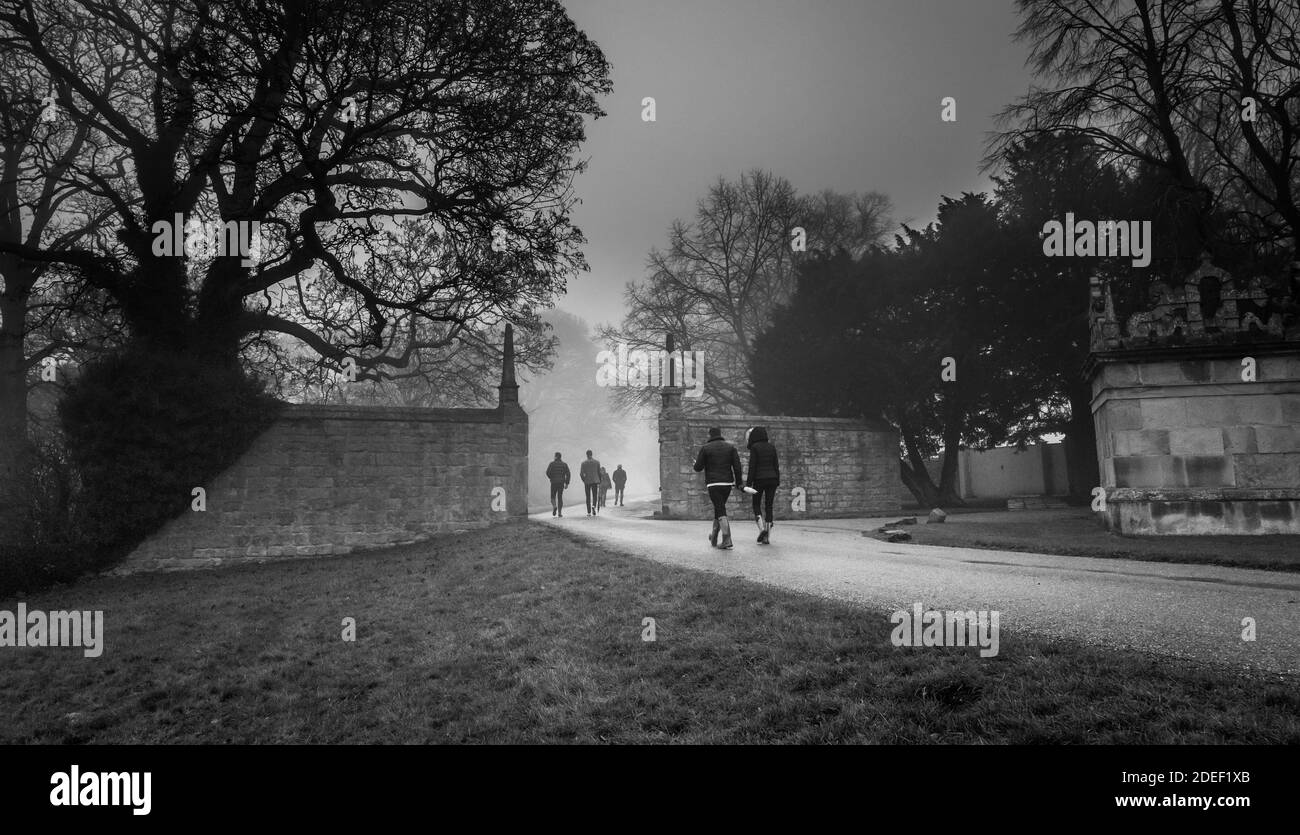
x=1207, y=90
x=715, y=285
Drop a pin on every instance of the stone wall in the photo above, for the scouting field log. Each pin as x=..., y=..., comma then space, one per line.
x=335, y=479
x=1003, y=472
x=1198, y=426
x=845, y=468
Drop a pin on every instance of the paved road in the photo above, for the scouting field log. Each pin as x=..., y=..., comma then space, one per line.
x=1190, y=611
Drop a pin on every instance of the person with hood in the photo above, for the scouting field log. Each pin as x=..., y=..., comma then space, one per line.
x=605, y=484
x=589, y=472
x=620, y=480
x=764, y=477
x=557, y=472
x=720, y=463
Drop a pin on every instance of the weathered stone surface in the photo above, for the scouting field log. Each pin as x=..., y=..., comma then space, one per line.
x=334, y=479
x=1185, y=445
x=936, y=516
x=844, y=468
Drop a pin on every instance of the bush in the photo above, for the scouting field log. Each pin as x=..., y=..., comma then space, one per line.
x=143, y=429
x=30, y=568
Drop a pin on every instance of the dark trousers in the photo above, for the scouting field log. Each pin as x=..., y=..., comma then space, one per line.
x=618, y=494
x=557, y=494
x=763, y=498
x=719, y=496
x=590, y=492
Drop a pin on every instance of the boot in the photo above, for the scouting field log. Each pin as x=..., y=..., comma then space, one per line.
x=713, y=537
x=764, y=537
x=726, y=533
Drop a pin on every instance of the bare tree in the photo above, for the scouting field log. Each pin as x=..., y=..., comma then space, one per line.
x=324, y=123
x=48, y=317
x=714, y=288
x=1166, y=83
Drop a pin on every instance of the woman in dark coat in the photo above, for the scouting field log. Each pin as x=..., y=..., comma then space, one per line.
x=764, y=477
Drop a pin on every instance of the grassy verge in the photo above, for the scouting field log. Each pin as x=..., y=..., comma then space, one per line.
x=1076, y=533
x=525, y=634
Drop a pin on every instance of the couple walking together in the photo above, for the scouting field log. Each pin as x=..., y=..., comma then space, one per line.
x=720, y=463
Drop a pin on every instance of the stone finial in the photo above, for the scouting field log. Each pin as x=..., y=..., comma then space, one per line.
x=671, y=393
x=509, y=389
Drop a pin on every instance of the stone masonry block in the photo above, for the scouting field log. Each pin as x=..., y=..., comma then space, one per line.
x=1277, y=439
x=1259, y=410
x=1121, y=414
x=1164, y=413
x=1200, y=441
x=1239, y=439
x=1276, y=470
x=1141, y=442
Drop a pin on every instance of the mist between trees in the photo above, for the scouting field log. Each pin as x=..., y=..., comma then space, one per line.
x=382, y=148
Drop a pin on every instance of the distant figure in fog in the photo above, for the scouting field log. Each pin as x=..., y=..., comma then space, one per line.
x=620, y=479
x=557, y=472
x=764, y=476
x=605, y=484
x=721, y=465
x=589, y=472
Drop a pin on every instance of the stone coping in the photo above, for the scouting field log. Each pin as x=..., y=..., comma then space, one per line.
x=304, y=412
x=1200, y=494
x=767, y=420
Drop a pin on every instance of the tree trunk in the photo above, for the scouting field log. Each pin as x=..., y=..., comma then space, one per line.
x=948, y=493
x=921, y=488
x=952, y=426
x=914, y=473
x=15, y=449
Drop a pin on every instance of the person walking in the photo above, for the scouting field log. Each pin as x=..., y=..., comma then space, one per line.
x=605, y=484
x=720, y=463
x=620, y=479
x=764, y=477
x=589, y=472
x=557, y=472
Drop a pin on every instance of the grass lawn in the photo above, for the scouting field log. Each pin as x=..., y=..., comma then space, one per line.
x=1076, y=532
x=526, y=634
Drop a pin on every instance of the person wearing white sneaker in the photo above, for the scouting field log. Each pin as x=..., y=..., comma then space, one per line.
x=763, y=479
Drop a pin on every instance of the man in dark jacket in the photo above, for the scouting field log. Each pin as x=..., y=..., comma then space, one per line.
x=589, y=472
x=764, y=476
x=721, y=466
x=620, y=478
x=557, y=472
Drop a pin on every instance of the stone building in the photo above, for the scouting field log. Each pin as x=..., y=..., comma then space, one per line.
x=1196, y=401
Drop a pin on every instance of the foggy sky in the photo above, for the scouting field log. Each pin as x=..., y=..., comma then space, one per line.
x=840, y=94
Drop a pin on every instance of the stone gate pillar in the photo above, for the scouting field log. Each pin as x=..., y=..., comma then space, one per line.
x=515, y=421
x=1196, y=400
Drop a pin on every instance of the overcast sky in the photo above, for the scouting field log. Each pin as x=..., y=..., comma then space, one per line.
x=840, y=94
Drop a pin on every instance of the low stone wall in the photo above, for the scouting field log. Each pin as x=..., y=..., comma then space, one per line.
x=334, y=479
x=844, y=468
